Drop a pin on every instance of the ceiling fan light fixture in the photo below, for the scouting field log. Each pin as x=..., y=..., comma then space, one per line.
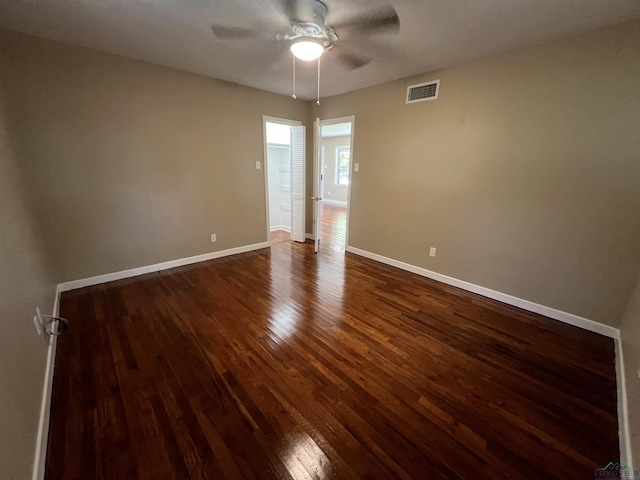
x=307, y=49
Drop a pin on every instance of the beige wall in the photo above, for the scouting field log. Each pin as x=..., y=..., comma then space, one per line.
x=331, y=190
x=108, y=164
x=630, y=335
x=25, y=282
x=133, y=164
x=524, y=173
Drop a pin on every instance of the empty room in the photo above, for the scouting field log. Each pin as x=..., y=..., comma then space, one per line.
x=299, y=239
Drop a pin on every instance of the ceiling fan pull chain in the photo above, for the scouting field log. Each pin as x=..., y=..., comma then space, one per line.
x=318, y=102
x=294, y=76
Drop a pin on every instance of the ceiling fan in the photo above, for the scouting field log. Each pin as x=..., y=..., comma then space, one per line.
x=309, y=36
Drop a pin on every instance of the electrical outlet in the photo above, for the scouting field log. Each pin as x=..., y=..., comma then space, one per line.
x=213, y=238
x=432, y=252
x=37, y=321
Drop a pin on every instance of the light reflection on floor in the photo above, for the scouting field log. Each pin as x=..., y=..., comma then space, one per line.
x=303, y=456
x=285, y=316
x=283, y=322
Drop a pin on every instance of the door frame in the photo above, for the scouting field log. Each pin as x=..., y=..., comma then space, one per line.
x=333, y=121
x=323, y=178
x=265, y=162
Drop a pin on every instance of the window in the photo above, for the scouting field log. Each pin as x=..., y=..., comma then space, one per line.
x=343, y=161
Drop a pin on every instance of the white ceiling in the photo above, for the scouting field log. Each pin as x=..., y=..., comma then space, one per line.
x=433, y=34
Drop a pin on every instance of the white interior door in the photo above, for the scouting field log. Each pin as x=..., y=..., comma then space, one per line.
x=322, y=168
x=317, y=179
x=339, y=130
x=297, y=183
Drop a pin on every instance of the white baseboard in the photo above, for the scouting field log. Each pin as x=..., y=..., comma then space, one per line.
x=110, y=277
x=571, y=319
x=623, y=422
x=309, y=236
x=42, y=437
x=565, y=317
x=45, y=409
x=280, y=227
x=624, y=434
x=334, y=202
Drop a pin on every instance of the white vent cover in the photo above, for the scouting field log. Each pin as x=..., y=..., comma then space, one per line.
x=423, y=91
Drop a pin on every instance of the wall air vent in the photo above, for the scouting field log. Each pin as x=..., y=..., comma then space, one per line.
x=423, y=91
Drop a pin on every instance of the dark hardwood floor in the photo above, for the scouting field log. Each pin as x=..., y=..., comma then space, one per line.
x=333, y=227
x=285, y=364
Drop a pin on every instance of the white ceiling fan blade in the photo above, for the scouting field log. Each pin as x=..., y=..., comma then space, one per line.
x=353, y=61
x=383, y=20
x=226, y=32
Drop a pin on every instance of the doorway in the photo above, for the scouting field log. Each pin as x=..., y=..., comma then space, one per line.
x=335, y=170
x=284, y=179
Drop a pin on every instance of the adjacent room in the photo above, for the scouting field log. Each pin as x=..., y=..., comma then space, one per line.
x=278, y=165
x=319, y=239
x=335, y=172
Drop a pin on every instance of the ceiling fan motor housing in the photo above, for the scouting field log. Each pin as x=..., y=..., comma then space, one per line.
x=307, y=11
x=307, y=21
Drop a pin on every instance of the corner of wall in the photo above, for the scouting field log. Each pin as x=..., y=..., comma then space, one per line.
x=624, y=434
x=628, y=348
x=42, y=438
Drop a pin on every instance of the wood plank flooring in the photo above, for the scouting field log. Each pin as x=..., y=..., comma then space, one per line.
x=285, y=364
x=333, y=227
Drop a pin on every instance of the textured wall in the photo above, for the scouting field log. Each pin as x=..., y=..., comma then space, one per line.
x=109, y=164
x=133, y=164
x=25, y=282
x=630, y=334
x=524, y=173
